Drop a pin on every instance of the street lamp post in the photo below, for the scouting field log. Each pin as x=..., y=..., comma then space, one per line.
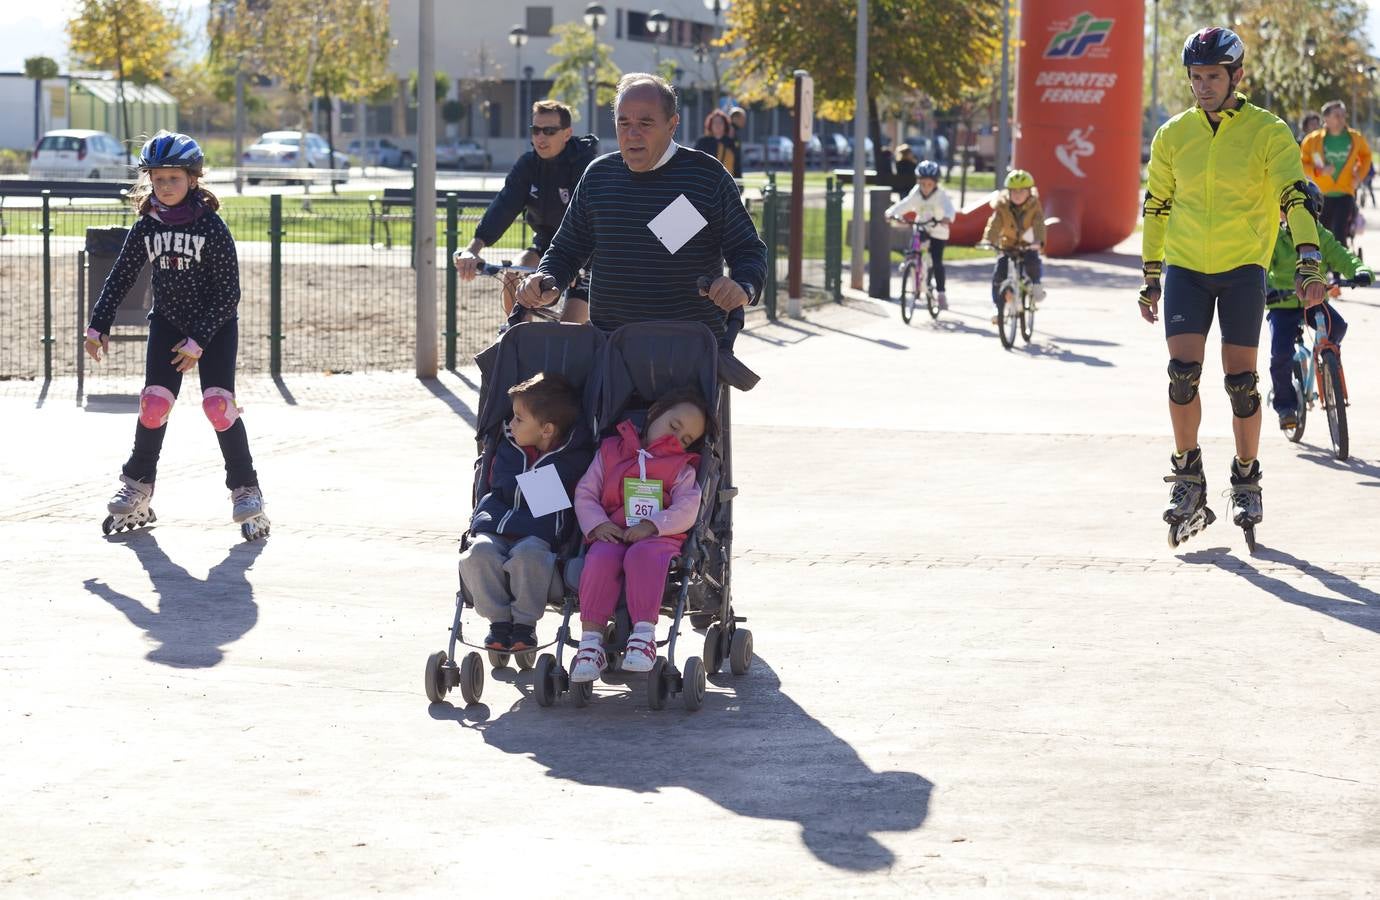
x=517, y=36
x=527, y=73
x=595, y=17
x=1004, y=105
x=658, y=23
x=718, y=8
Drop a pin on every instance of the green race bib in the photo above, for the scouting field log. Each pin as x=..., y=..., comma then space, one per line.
x=642, y=499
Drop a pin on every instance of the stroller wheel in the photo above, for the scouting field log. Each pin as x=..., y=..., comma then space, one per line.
x=472, y=678
x=525, y=660
x=583, y=691
x=658, y=684
x=740, y=652
x=692, y=687
x=498, y=659
x=436, y=686
x=701, y=620
x=713, y=649
x=544, y=682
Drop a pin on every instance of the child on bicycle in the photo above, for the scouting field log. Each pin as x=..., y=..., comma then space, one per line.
x=928, y=202
x=634, y=524
x=1285, y=309
x=193, y=324
x=510, y=565
x=1017, y=222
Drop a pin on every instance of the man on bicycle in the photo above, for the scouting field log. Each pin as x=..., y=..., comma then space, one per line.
x=1337, y=159
x=1220, y=173
x=542, y=182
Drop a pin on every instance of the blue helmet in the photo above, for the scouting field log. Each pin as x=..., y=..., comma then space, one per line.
x=927, y=169
x=170, y=150
x=1214, y=47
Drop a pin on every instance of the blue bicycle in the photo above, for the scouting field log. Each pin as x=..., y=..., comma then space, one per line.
x=1317, y=377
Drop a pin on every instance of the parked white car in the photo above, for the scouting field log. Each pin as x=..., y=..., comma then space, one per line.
x=463, y=155
x=278, y=150
x=381, y=152
x=76, y=153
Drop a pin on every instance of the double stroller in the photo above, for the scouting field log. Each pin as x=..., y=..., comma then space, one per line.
x=619, y=375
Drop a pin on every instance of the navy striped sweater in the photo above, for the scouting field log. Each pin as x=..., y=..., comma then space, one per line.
x=633, y=277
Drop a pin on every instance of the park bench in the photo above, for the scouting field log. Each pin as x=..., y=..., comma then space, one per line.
x=381, y=209
x=68, y=190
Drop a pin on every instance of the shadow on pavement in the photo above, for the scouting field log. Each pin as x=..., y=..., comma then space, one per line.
x=805, y=334
x=1084, y=276
x=448, y=397
x=1041, y=350
x=1324, y=456
x=194, y=618
x=1360, y=608
x=754, y=751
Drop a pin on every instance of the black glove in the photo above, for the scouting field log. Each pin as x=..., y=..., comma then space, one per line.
x=1363, y=277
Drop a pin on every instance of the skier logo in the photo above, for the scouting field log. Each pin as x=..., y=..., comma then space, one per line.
x=565, y=196
x=1075, y=148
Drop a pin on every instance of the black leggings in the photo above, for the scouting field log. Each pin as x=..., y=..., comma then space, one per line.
x=1336, y=215
x=937, y=262
x=217, y=370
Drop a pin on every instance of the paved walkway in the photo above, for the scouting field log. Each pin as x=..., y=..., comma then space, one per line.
x=980, y=670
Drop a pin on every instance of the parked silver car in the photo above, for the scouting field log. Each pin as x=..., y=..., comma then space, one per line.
x=79, y=153
x=381, y=152
x=463, y=155
x=276, y=152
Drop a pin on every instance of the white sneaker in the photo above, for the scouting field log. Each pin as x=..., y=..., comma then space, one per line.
x=1037, y=293
x=640, y=653
x=589, y=664
x=943, y=301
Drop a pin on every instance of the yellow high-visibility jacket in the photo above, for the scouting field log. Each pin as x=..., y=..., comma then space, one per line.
x=1214, y=198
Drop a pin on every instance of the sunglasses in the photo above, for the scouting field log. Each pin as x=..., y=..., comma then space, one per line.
x=548, y=130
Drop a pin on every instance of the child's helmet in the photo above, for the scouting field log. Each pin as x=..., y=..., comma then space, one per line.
x=167, y=150
x=1019, y=179
x=927, y=169
x=1214, y=47
x=1312, y=198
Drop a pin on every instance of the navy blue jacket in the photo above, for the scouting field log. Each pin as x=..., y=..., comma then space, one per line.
x=541, y=186
x=502, y=511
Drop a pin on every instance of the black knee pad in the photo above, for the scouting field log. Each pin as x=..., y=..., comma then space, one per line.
x=1183, y=381
x=1245, y=399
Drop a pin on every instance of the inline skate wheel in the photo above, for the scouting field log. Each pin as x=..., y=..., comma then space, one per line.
x=583, y=692
x=1249, y=532
x=498, y=659
x=525, y=660
x=658, y=684
x=713, y=649
x=106, y=525
x=692, y=684
x=472, y=678
x=436, y=686
x=740, y=652
x=544, y=682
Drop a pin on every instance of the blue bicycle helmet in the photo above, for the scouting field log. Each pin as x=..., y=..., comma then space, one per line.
x=927, y=169
x=167, y=150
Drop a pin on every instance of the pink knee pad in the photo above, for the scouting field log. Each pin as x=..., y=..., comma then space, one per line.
x=219, y=406
x=155, y=404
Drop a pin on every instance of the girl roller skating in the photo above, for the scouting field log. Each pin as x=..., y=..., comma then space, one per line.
x=193, y=324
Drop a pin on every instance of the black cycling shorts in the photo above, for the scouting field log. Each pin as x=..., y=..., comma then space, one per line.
x=1189, y=299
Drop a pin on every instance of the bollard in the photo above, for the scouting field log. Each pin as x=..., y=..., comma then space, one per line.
x=275, y=285
x=47, y=289
x=452, y=244
x=769, y=237
x=878, y=244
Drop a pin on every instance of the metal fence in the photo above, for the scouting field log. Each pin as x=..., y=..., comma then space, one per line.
x=316, y=295
x=326, y=286
x=822, y=240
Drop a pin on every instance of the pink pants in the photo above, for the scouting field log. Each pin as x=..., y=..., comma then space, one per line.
x=644, y=565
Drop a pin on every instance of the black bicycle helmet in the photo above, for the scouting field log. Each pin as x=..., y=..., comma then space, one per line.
x=1312, y=198
x=927, y=169
x=1214, y=47
x=167, y=150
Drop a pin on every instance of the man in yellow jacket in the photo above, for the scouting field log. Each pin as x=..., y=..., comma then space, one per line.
x=1220, y=173
x=1337, y=159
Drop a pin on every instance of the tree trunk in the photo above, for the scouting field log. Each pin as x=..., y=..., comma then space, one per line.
x=38, y=110
x=330, y=139
x=881, y=162
x=123, y=105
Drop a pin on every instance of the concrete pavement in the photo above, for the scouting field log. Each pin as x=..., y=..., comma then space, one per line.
x=980, y=671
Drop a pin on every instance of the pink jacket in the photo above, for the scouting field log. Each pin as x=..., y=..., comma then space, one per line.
x=679, y=514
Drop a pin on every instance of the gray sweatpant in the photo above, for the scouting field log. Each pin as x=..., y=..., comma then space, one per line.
x=510, y=581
